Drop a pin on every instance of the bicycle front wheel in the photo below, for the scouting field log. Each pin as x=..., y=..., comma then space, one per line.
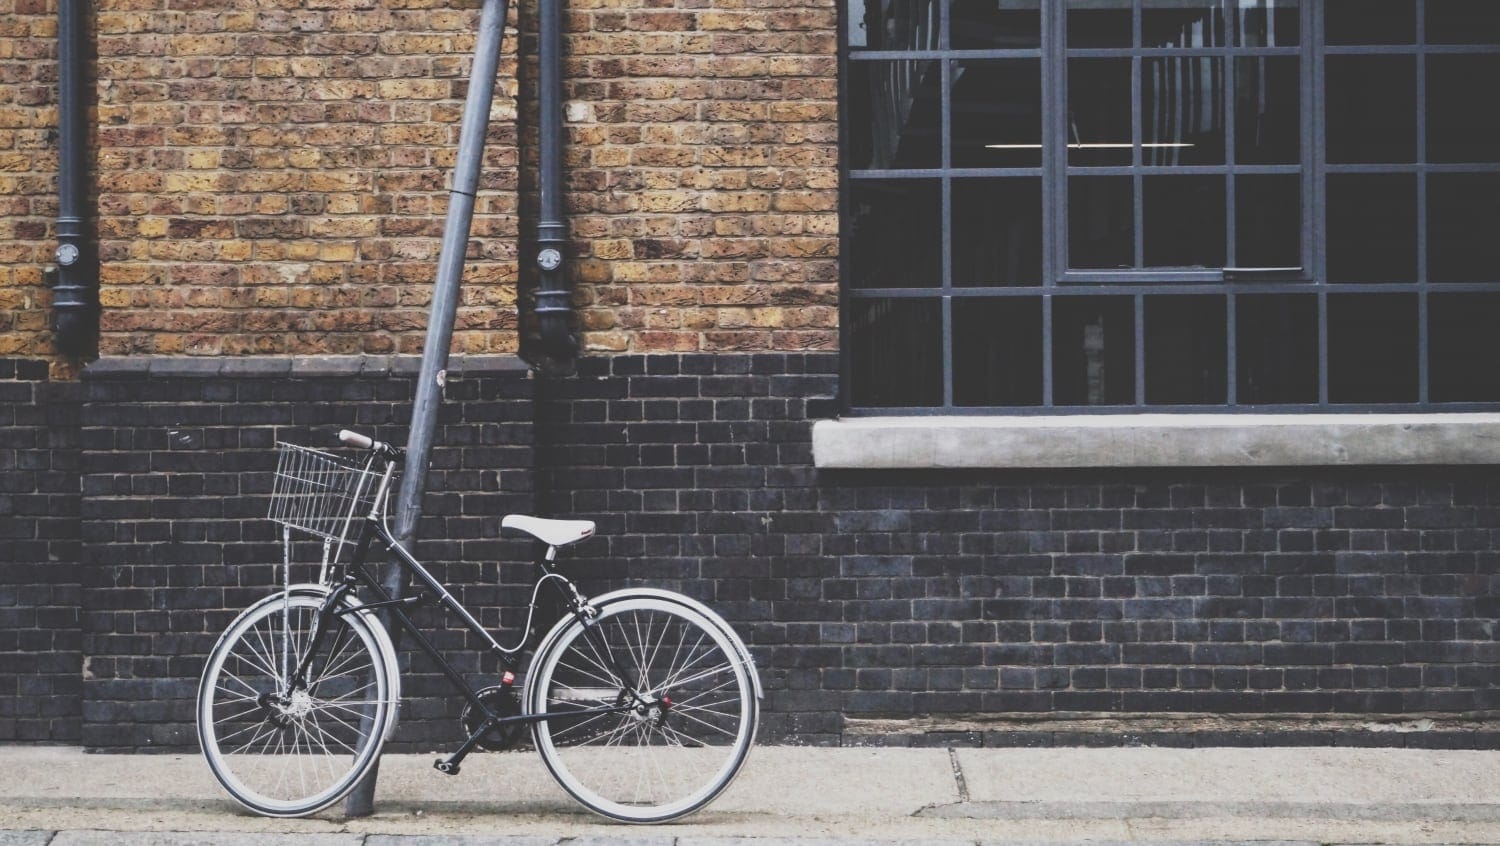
x=285, y=751
x=651, y=709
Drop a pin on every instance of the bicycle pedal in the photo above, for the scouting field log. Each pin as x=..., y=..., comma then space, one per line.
x=445, y=767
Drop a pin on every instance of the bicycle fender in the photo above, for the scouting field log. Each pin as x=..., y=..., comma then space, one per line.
x=382, y=639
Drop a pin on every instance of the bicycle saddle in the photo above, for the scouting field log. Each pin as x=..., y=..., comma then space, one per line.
x=550, y=532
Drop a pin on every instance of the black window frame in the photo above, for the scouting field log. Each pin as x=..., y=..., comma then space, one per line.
x=1059, y=281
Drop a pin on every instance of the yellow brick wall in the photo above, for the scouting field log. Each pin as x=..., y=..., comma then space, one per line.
x=271, y=174
x=704, y=170
x=28, y=166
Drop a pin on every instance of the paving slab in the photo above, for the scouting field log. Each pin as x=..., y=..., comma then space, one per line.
x=802, y=796
x=812, y=841
x=456, y=840
x=199, y=838
x=1318, y=775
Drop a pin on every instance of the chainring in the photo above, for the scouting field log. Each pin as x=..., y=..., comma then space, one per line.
x=503, y=701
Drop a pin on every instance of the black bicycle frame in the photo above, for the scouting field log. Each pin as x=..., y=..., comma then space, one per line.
x=356, y=576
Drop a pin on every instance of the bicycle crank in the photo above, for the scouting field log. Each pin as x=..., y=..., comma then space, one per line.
x=502, y=700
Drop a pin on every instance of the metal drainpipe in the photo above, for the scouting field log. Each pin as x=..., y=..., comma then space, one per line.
x=559, y=345
x=75, y=291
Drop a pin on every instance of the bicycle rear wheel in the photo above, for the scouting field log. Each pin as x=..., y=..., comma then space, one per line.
x=283, y=752
x=653, y=708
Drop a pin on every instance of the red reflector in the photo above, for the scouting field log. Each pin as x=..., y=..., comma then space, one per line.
x=508, y=679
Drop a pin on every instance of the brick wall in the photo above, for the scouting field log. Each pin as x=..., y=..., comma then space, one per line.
x=976, y=607
x=39, y=580
x=949, y=595
x=703, y=173
x=272, y=177
x=176, y=470
x=28, y=166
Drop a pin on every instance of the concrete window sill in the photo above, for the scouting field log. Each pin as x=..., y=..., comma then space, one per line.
x=1156, y=440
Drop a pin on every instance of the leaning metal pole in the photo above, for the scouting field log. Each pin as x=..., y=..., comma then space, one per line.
x=441, y=314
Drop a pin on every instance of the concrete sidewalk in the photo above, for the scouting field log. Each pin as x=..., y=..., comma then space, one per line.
x=52, y=796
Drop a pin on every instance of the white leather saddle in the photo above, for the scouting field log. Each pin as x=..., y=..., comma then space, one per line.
x=550, y=532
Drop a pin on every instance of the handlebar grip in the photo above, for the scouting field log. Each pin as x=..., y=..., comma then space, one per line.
x=356, y=440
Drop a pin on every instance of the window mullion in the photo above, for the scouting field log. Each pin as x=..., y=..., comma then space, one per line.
x=1140, y=349
x=1231, y=241
x=1052, y=115
x=1314, y=154
x=1137, y=183
x=945, y=213
x=1054, y=149
x=1231, y=238
x=1423, y=382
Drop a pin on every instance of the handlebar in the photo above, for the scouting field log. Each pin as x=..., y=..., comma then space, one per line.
x=359, y=441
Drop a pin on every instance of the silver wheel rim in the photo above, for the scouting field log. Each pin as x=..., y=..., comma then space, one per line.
x=289, y=753
x=660, y=760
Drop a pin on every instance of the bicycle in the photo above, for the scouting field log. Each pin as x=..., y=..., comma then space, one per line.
x=642, y=702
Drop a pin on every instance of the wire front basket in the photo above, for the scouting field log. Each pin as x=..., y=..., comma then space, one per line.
x=320, y=493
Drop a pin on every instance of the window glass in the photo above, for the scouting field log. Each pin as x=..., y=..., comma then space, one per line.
x=1463, y=227
x=1099, y=23
x=1099, y=124
x=997, y=231
x=895, y=233
x=897, y=352
x=997, y=351
x=1372, y=348
x=1370, y=21
x=1182, y=110
x=895, y=114
x=1268, y=23
x=1276, y=349
x=996, y=24
x=1183, y=221
x=1175, y=249
x=1267, y=110
x=1186, y=350
x=1182, y=23
x=1101, y=221
x=1268, y=220
x=997, y=113
x=1372, y=227
x=892, y=24
x=1463, y=125
x=1093, y=350
x=1463, y=22
x=1372, y=109
x=1461, y=347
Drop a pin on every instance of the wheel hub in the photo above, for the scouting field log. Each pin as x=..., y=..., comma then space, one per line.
x=299, y=704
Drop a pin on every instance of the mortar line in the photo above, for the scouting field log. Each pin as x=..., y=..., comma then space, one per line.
x=958, y=775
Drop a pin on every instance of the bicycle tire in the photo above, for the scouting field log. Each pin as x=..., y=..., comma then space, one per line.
x=290, y=755
x=695, y=706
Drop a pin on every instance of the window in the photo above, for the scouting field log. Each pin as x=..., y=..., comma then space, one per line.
x=1106, y=205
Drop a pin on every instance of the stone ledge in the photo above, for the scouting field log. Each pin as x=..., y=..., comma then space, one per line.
x=295, y=367
x=1477, y=730
x=1156, y=440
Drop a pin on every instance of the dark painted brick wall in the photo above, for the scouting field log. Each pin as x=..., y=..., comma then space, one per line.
x=177, y=467
x=40, y=662
x=1312, y=591
x=1273, y=592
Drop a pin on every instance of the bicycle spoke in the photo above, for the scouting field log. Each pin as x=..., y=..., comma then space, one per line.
x=646, y=765
x=304, y=748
